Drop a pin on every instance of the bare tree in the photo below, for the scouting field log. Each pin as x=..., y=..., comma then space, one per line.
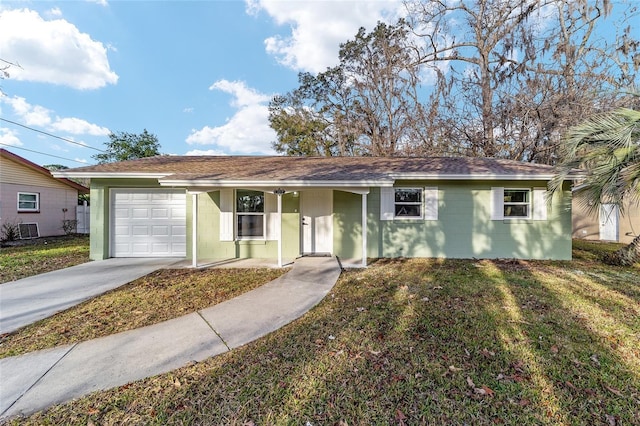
x=517, y=73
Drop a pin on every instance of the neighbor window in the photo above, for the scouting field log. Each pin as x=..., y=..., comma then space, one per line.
x=250, y=214
x=408, y=202
x=517, y=203
x=28, y=202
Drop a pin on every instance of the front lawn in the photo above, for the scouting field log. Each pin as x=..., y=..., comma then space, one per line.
x=419, y=341
x=42, y=255
x=157, y=297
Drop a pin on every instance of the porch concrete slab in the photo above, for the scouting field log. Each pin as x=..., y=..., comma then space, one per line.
x=267, y=308
x=116, y=360
x=19, y=373
x=28, y=300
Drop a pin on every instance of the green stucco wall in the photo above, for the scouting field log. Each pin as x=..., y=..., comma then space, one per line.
x=211, y=248
x=464, y=228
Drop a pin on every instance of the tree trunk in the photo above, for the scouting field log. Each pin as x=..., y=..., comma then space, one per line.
x=628, y=255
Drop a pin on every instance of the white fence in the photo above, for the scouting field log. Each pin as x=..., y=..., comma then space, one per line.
x=82, y=216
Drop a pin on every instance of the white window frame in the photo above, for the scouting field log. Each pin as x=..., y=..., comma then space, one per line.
x=420, y=204
x=239, y=214
x=528, y=203
x=36, y=209
x=430, y=196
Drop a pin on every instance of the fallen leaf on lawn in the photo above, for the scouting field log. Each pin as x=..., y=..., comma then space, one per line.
x=331, y=337
x=595, y=360
x=92, y=411
x=486, y=352
x=360, y=309
x=454, y=368
x=249, y=423
x=400, y=416
x=343, y=423
x=488, y=390
x=610, y=419
x=524, y=402
x=571, y=385
x=90, y=423
x=425, y=299
x=613, y=390
x=554, y=349
x=470, y=382
x=177, y=383
x=480, y=391
x=437, y=287
x=375, y=353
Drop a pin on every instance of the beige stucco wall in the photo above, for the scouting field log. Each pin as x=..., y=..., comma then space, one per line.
x=586, y=225
x=54, y=197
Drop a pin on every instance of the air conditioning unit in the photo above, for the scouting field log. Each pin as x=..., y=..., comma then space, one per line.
x=28, y=231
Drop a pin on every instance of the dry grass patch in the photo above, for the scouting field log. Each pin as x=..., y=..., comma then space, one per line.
x=42, y=255
x=419, y=341
x=157, y=297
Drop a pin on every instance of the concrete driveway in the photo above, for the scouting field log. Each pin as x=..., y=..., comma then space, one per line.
x=28, y=300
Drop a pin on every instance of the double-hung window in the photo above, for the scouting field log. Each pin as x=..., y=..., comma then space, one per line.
x=28, y=202
x=517, y=203
x=408, y=203
x=249, y=214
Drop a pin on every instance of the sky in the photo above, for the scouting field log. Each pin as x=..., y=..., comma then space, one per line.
x=197, y=74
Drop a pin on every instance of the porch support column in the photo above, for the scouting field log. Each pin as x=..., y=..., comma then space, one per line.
x=364, y=230
x=194, y=229
x=279, y=192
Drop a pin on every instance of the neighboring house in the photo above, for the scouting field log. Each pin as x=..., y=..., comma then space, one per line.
x=209, y=208
x=32, y=197
x=606, y=223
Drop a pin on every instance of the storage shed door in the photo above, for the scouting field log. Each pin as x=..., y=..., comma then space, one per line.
x=148, y=223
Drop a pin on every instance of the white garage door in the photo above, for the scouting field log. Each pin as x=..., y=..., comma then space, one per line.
x=148, y=223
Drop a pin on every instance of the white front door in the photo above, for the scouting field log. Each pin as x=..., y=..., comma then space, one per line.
x=609, y=222
x=316, y=208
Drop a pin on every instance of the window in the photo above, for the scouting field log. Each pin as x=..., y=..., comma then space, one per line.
x=517, y=203
x=408, y=202
x=28, y=202
x=249, y=214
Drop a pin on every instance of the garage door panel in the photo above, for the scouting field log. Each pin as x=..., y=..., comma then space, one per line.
x=180, y=231
x=160, y=230
x=160, y=213
x=148, y=223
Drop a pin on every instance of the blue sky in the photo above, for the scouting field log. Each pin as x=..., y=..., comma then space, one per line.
x=197, y=74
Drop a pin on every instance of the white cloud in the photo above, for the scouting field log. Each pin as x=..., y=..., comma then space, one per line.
x=55, y=12
x=53, y=51
x=248, y=131
x=31, y=115
x=205, y=152
x=78, y=126
x=100, y=2
x=9, y=137
x=318, y=27
x=39, y=116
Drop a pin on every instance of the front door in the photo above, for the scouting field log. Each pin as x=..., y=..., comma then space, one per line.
x=609, y=222
x=317, y=221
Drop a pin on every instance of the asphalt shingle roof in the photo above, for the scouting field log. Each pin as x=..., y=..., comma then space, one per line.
x=279, y=168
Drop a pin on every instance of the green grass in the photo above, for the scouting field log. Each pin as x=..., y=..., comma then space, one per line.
x=418, y=341
x=42, y=255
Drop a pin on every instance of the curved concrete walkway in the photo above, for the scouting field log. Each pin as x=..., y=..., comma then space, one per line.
x=35, y=381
